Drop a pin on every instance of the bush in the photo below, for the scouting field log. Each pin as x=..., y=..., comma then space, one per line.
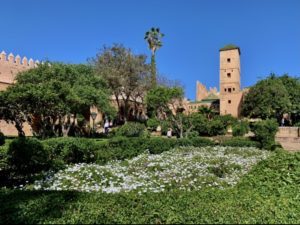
x=265, y=132
x=2, y=139
x=28, y=156
x=191, y=134
x=201, y=142
x=240, y=142
x=159, y=145
x=227, y=120
x=72, y=150
x=216, y=127
x=78, y=150
x=165, y=125
x=131, y=129
x=240, y=128
x=153, y=123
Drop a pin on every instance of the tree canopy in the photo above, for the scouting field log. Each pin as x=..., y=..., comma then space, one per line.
x=127, y=75
x=50, y=92
x=153, y=38
x=271, y=97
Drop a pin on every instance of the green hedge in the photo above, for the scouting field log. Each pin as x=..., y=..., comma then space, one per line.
x=269, y=194
x=240, y=142
x=265, y=132
x=76, y=150
x=33, y=155
x=28, y=156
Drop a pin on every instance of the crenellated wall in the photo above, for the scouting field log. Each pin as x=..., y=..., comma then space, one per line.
x=10, y=66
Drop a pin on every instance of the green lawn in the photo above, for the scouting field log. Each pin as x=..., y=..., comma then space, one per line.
x=270, y=193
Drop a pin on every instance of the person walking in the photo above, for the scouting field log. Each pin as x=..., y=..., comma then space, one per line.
x=169, y=133
x=106, y=127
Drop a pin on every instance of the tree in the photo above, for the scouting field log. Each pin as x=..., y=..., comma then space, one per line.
x=153, y=37
x=292, y=85
x=11, y=112
x=165, y=103
x=268, y=98
x=207, y=111
x=45, y=95
x=127, y=76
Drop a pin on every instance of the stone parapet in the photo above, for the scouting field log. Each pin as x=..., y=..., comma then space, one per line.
x=288, y=132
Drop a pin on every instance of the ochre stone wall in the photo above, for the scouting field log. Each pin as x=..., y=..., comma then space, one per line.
x=288, y=132
x=9, y=67
x=230, y=82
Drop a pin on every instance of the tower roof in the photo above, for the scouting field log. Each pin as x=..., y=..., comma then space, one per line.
x=230, y=47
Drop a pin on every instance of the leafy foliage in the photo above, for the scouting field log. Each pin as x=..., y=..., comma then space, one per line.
x=271, y=97
x=240, y=128
x=240, y=142
x=28, y=156
x=153, y=38
x=153, y=123
x=46, y=94
x=131, y=129
x=126, y=74
x=265, y=132
x=267, y=195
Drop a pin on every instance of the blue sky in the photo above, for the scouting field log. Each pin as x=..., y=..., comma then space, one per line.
x=267, y=31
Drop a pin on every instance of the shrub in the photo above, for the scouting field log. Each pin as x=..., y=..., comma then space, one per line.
x=200, y=123
x=191, y=134
x=28, y=155
x=201, y=142
x=165, y=125
x=240, y=128
x=227, y=120
x=2, y=139
x=159, y=145
x=240, y=142
x=153, y=123
x=216, y=127
x=72, y=150
x=131, y=129
x=265, y=132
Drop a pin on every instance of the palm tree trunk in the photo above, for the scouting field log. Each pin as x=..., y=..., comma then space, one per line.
x=153, y=70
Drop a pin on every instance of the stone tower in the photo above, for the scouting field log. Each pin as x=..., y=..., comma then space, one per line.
x=230, y=81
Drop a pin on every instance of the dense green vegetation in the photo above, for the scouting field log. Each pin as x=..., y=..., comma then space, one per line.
x=273, y=96
x=46, y=95
x=268, y=194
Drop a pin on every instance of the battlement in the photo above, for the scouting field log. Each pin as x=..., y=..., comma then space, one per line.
x=17, y=60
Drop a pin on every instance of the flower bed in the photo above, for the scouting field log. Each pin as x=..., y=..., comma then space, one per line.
x=184, y=168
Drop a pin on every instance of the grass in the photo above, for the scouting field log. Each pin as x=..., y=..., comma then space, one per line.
x=268, y=194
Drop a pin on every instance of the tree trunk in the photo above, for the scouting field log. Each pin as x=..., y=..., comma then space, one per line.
x=19, y=127
x=153, y=70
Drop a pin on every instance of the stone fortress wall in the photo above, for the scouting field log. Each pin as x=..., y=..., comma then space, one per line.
x=10, y=66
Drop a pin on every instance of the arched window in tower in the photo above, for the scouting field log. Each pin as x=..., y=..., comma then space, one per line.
x=228, y=75
x=228, y=60
x=229, y=90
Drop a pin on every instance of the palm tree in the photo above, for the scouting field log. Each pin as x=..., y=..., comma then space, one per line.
x=153, y=37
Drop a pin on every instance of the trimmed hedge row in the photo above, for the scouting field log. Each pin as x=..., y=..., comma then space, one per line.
x=31, y=155
x=75, y=150
x=266, y=195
